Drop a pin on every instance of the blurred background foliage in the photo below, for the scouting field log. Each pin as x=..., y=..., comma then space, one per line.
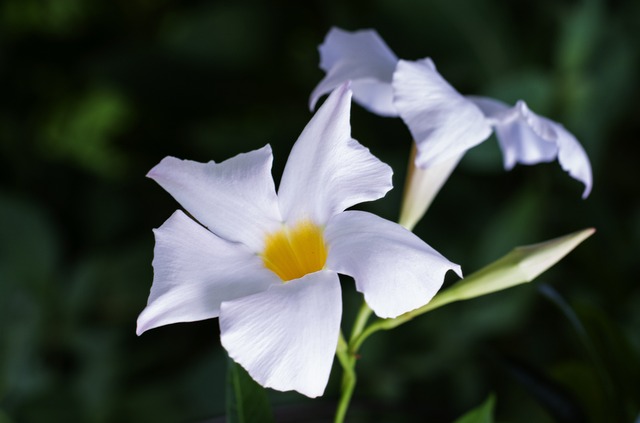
x=96, y=93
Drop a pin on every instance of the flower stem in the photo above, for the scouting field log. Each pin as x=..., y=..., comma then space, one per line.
x=347, y=357
x=386, y=324
x=348, y=385
x=361, y=321
x=348, y=361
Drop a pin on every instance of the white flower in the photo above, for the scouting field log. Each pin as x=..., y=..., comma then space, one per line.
x=267, y=264
x=444, y=123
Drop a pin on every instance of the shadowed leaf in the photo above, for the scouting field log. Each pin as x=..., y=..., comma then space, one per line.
x=247, y=401
x=480, y=414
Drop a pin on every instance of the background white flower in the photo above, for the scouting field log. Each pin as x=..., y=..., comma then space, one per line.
x=266, y=264
x=444, y=123
x=363, y=58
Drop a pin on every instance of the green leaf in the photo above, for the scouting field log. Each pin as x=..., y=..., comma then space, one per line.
x=552, y=396
x=4, y=418
x=480, y=414
x=84, y=130
x=247, y=401
x=610, y=393
x=581, y=32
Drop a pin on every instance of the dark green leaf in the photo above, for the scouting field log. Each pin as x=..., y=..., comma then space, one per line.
x=4, y=418
x=548, y=393
x=615, y=363
x=247, y=401
x=480, y=414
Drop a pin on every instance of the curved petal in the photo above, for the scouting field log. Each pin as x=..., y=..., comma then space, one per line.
x=520, y=144
x=443, y=123
x=421, y=187
x=574, y=159
x=327, y=170
x=286, y=336
x=394, y=269
x=375, y=96
x=361, y=57
x=528, y=138
x=195, y=271
x=235, y=199
x=524, y=137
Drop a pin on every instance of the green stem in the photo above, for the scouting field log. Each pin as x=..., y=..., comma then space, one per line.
x=361, y=321
x=348, y=385
x=347, y=357
x=347, y=352
x=386, y=324
x=348, y=361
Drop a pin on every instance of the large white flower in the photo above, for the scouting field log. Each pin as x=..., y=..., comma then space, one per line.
x=444, y=123
x=267, y=264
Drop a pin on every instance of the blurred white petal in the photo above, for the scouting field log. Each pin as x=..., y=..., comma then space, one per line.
x=444, y=124
x=528, y=138
x=523, y=136
x=574, y=159
x=361, y=57
x=421, y=188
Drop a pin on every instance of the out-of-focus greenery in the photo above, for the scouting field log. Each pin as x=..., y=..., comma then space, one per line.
x=481, y=414
x=94, y=93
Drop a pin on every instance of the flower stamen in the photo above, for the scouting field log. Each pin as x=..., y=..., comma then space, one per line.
x=293, y=252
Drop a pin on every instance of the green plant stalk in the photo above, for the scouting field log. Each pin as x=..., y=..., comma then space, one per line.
x=360, y=322
x=348, y=362
x=347, y=352
x=386, y=324
x=347, y=358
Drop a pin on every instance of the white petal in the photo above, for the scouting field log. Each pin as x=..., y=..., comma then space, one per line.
x=394, y=269
x=364, y=58
x=235, y=199
x=524, y=137
x=327, y=170
x=528, y=138
x=574, y=159
x=286, y=336
x=375, y=96
x=195, y=271
x=443, y=123
x=520, y=144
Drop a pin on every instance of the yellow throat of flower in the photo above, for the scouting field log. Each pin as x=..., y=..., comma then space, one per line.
x=293, y=252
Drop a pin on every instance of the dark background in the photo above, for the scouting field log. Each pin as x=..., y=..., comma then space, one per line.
x=94, y=93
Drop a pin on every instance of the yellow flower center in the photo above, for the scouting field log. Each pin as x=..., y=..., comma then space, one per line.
x=293, y=252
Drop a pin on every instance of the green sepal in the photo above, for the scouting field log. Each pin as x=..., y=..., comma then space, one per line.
x=521, y=265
